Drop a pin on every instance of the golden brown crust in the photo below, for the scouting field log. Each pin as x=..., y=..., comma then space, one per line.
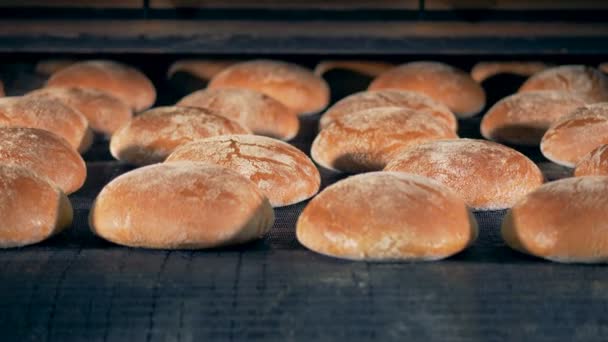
x=47, y=67
x=487, y=175
x=484, y=70
x=296, y=87
x=388, y=98
x=181, y=205
x=595, y=163
x=369, y=68
x=386, y=216
x=563, y=221
x=260, y=113
x=587, y=82
x=119, y=80
x=151, y=136
x=442, y=82
x=573, y=136
x=282, y=172
x=31, y=208
x=523, y=118
x=368, y=140
x=204, y=69
x=104, y=112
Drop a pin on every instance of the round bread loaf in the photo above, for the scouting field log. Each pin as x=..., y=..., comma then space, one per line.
x=386, y=216
x=484, y=70
x=573, y=136
x=296, y=87
x=44, y=153
x=369, y=68
x=444, y=83
x=47, y=114
x=119, y=80
x=564, y=221
x=260, y=113
x=31, y=208
x=183, y=205
x=151, y=136
x=587, y=82
x=593, y=164
x=204, y=69
x=369, y=139
x=47, y=67
x=524, y=118
x=282, y=172
x=489, y=176
x=104, y=112
x=388, y=98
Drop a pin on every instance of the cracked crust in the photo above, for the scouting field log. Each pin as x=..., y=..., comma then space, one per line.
x=593, y=164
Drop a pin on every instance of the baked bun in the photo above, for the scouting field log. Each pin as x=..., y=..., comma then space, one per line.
x=282, y=172
x=595, y=163
x=386, y=216
x=117, y=79
x=47, y=114
x=523, y=118
x=563, y=221
x=489, y=176
x=182, y=205
x=44, y=153
x=204, y=69
x=47, y=67
x=573, y=136
x=151, y=136
x=484, y=70
x=586, y=82
x=388, y=98
x=260, y=113
x=296, y=87
x=104, y=112
x=442, y=82
x=369, y=139
x=369, y=68
x=31, y=208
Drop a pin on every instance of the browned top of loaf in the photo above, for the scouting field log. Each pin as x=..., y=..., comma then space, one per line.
x=386, y=215
x=369, y=139
x=120, y=80
x=296, y=87
x=204, y=69
x=388, y=98
x=484, y=70
x=523, y=118
x=594, y=164
x=444, y=83
x=573, y=136
x=589, y=83
x=370, y=68
x=282, y=172
x=104, y=112
x=259, y=112
x=48, y=67
x=489, y=176
x=151, y=136
x=180, y=205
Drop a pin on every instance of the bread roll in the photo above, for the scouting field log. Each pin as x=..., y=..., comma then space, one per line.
x=388, y=98
x=484, y=70
x=368, y=140
x=594, y=163
x=489, y=176
x=260, y=113
x=523, y=118
x=48, y=67
x=563, y=221
x=587, y=82
x=386, y=216
x=204, y=69
x=282, y=172
x=47, y=114
x=444, y=83
x=104, y=112
x=31, y=208
x=573, y=136
x=182, y=205
x=296, y=87
x=151, y=136
x=119, y=80
x=369, y=68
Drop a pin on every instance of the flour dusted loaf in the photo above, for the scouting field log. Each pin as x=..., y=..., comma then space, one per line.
x=282, y=172
x=489, y=176
x=151, y=136
x=260, y=113
x=295, y=86
x=369, y=68
x=203, y=69
x=386, y=216
x=181, y=205
x=31, y=208
x=484, y=70
x=595, y=163
x=563, y=221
